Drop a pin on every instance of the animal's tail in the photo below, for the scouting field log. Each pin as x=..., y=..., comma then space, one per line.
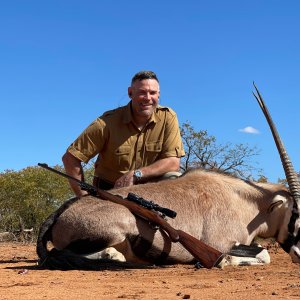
x=45, y=231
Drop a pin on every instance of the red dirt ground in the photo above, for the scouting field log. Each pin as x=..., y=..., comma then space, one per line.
x=21, y=279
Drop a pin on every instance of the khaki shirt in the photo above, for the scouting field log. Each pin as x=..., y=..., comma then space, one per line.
x=122, y=147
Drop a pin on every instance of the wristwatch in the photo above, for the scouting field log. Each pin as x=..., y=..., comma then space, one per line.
x=137, y=174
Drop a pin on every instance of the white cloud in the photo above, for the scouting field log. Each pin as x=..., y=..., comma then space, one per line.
x=249, y=129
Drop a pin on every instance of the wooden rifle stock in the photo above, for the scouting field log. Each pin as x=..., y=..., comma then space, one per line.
x=205, y=254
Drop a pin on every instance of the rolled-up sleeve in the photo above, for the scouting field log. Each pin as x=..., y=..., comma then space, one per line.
x=172, y=145
x=90, y=142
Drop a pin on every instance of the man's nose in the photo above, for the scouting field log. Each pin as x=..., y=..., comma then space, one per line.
x=148, y=96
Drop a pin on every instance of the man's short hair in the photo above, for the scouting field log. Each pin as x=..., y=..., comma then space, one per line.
x=144, y=75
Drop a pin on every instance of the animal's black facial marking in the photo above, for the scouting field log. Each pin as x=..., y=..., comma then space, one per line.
x=292, y=238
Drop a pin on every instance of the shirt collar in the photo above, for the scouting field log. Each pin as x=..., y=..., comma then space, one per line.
x=127, y=116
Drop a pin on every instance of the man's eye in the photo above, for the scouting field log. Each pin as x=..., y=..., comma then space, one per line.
x=144, y=94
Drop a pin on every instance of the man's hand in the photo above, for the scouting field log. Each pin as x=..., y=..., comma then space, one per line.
x=125, y=180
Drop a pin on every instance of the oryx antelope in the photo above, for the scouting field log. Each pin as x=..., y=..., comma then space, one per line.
x=218, y=209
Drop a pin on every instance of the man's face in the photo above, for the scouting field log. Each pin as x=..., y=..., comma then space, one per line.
x=144, y=95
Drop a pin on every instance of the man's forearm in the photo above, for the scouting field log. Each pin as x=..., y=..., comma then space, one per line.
x=154, y=170
x=161, y=167
x=73, y=168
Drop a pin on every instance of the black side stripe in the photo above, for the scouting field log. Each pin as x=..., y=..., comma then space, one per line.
x=291, y=238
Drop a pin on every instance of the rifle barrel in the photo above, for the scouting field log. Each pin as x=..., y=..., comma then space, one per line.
x=45, y=166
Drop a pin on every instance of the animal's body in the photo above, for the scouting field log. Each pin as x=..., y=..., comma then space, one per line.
x=218, y=209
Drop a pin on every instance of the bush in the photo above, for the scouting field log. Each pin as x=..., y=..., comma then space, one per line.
x=28, y=196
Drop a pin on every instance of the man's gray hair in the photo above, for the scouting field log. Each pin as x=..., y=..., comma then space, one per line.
x=144, y=75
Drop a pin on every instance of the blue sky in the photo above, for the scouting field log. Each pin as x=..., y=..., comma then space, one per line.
x=63, y=63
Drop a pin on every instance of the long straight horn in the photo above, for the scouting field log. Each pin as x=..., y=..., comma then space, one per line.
x=291, y=175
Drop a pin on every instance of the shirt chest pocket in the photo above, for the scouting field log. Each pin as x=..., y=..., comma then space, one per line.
x=154, y=146
x=123, y=156
x=153, y=150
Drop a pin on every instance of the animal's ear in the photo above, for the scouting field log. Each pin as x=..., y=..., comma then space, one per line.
x=274, y=205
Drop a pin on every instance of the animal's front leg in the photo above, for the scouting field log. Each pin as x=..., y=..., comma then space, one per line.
x=108, y=253
x=244, y=255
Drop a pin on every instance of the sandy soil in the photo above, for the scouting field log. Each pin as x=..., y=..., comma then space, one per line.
x=21, y=279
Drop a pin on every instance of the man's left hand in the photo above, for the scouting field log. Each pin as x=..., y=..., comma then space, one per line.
x=125, y=180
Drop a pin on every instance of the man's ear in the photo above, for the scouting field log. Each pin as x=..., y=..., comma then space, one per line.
x=130, y=92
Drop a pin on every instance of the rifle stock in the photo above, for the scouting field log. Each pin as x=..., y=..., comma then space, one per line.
x=205, y=254
x=208, y=256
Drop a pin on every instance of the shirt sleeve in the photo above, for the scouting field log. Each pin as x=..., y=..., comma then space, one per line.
x=172, y=144
x=90, y=142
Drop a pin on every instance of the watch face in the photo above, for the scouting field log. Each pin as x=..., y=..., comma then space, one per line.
x=138, y=174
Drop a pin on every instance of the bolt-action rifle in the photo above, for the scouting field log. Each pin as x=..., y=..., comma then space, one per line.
x=205, y=254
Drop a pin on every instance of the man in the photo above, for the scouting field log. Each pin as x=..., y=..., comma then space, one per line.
x=134, y=143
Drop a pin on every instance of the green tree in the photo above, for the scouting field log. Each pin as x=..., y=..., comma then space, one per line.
x=28, y=196
x=202, y=150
